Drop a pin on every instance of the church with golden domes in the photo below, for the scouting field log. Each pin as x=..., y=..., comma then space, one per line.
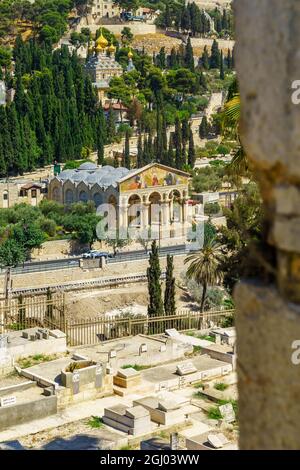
x=102, y=66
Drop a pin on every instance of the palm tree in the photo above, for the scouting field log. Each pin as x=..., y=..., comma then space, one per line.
x=204, y=267
x=230, y=124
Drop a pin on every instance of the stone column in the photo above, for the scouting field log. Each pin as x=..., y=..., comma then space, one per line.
x=165, y=219
x=123, y=220
x=268, y=316
x=184, y=213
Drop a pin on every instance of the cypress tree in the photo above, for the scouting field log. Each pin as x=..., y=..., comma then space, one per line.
x=17, y=163
x=139, y=159
x=205, y=59
x=203, y=128
x=185, y=131
x=228, y=60
x=111, y=125
x=127, y=151
x=170, y=155
x=191, y=150
x=169, y=299
x=189, y=56
x=167, y=17
x=155, y=306
x=178, y=145
x=7, y=146
x=222, y=74
x=215, y=56
x=173, y=64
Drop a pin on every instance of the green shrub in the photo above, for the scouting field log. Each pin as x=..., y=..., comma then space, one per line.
x=95, y=422
x=220, y=386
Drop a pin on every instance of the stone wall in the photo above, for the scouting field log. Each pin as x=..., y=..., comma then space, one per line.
x=268, y=316
x=48, y=278
x=24, y=412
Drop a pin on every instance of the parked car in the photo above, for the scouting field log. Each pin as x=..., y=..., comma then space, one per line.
x=92, y=254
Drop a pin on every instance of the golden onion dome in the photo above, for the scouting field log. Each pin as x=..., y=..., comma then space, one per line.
x=130, y=54
x=112, y=49
x=101, y=42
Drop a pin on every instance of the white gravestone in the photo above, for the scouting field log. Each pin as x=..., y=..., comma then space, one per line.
x=217, y=440
x=227, y=412
x=4, y=356
x=7, y=401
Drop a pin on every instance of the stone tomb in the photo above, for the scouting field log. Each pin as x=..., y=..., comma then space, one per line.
x=209, y=441
x=127, y=378
x=161, y=411
x=133, y=421
x=185, y=368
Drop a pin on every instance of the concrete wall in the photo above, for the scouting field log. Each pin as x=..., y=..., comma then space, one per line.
x=49, y=278
x=44, y=346
x=23, y=413
x=136, y=28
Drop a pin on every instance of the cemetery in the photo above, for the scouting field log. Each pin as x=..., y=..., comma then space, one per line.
x=136, y=350
x=147, y=383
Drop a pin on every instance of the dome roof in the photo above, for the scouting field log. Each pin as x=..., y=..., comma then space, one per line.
x=91, y=174
x=101, y=41
x=112, y=48
x=89, y=166
x=66, y=174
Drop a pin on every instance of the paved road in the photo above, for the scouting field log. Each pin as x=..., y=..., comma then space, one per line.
x=73, y=262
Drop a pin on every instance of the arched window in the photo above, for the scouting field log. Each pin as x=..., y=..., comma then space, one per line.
x=98, y=199
x=56, y=194
x=83, y=197
x=69, y=196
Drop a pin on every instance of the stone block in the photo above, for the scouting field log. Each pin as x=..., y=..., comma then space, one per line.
x=268, y=371
x=185, y=368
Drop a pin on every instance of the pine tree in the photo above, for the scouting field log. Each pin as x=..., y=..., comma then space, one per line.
x=111, y=125
x=127, y=151
x=191, y=150
x=155, y=306
x=169, y=298
x=222, y=74
x=203, y=128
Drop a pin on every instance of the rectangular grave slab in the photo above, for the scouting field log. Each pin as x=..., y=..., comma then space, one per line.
x=166, y=406
x=185, y=368
x=217, y=440
x=137, y=412
x=172, y=332
x=128, y=373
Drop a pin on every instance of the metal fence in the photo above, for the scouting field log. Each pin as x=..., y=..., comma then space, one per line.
x=91, y=331
x=48, y=311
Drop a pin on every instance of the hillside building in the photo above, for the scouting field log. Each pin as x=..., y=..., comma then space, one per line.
x=102, y=66
x=154, y=195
